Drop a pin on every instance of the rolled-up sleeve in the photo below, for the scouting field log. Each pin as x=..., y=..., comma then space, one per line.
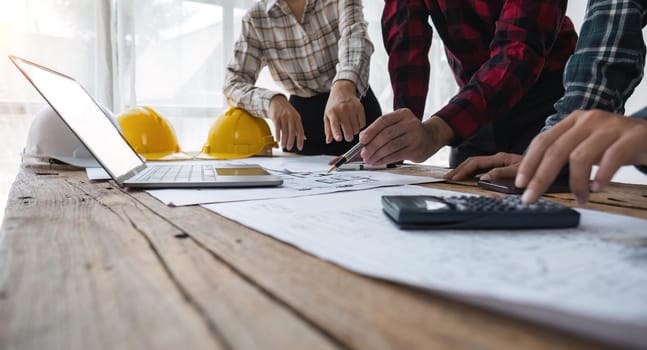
x=524, y=36
x=242, y=72
x=355, y=47
x=608, y=61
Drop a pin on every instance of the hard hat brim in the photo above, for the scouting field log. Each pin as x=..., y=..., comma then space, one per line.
x=79, y=162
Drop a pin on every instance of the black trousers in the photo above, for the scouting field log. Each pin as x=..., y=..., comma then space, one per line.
x=513, y=132
x=312, y=110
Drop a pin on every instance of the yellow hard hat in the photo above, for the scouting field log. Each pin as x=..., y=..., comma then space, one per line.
x=149, y=134
x=238, y=134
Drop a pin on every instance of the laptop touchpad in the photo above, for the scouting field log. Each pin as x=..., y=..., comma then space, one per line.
x=243, y=171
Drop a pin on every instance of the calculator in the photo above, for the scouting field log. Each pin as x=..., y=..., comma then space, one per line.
x=476, y=212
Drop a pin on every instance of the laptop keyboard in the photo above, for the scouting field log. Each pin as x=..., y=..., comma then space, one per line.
x=178, y=173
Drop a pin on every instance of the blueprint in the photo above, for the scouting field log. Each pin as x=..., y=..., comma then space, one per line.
x=590, y=280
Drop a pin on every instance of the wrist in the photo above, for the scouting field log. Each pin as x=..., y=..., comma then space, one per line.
x=277, y=103
x=344, y=87
x=278, y=97
x=439, y=131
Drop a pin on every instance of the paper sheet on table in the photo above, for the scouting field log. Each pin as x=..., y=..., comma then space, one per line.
x=590, y=280
x=302, y=176
x=292, y=163
x=97, y=174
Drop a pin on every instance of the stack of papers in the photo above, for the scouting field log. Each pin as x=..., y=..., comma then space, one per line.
x=591, y=280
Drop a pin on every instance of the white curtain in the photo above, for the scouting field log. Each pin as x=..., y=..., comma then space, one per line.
x=171, y=55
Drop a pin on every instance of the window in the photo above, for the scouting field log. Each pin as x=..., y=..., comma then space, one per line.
x=171, y=55
x=63, y=34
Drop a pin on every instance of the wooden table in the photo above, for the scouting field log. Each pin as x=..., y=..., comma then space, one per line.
x=87, y=265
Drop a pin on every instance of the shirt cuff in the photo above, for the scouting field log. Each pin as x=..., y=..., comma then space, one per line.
x=459, y=121
x=640, y=114
x=265, y=98
x=351, y=75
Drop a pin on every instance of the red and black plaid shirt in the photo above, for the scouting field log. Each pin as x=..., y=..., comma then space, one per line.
x=497, y=50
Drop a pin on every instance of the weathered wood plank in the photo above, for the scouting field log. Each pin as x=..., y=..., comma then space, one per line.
x=244, y=316
x=242, y=289
x=358, y=311
x=75, y=276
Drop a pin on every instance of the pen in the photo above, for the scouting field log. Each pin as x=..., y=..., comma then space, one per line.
x=347, y=156
x=362, y=166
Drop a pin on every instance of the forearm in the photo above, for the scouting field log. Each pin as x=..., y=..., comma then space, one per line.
x=245, y=95
x=355, y=48
x=242, y=72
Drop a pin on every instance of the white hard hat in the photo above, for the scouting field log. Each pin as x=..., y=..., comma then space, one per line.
x=49, y=138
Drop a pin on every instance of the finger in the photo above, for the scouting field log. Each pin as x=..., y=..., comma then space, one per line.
x=327, y=130
x=617, y=154
x=396, y=155
x=284, y=133
x=615, y=157
x=551, y=163
x=301, y=136
x=353, y=121
x=348, y=127
x=335, y=128
x=334, y=160
x=379, y=147
x=582, y=159
x=623, y=150
x=463, y=170
x=292, y=134
x=387, y=152
x=277, y=132
x=611, y=161
x=507, y=172
x=471, y=165
x=537, y=148
x=361, y=118
x=376, y=128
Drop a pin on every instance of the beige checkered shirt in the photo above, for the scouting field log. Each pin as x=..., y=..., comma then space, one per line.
x=330, y=43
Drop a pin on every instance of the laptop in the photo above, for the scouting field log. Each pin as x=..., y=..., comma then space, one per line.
x=92, y=126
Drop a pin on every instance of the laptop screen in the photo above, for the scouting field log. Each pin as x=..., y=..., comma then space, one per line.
x=84, y=117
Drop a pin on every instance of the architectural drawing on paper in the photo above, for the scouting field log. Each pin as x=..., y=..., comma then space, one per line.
x=304, y=181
